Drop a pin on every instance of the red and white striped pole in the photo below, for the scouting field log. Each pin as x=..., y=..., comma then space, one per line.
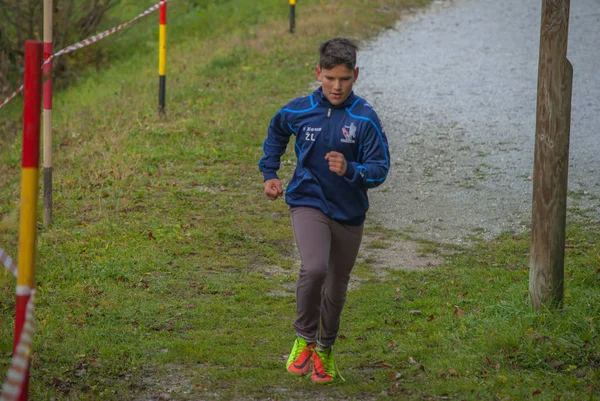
x=47, y=113
x=29, y=192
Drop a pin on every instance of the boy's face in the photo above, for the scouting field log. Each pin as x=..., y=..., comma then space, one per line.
x=337, y=82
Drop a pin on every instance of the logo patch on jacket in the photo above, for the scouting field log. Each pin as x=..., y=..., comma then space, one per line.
x=349, y=133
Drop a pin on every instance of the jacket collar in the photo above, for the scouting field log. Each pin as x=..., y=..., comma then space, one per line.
x=321, y=99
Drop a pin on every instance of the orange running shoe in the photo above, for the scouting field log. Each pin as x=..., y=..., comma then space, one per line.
x=324, y=370
x=298, y=362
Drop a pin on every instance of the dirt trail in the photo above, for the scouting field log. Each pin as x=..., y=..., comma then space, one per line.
x=456, y=88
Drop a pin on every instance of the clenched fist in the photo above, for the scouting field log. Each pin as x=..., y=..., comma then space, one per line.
x=337, y=162
x=273, y=188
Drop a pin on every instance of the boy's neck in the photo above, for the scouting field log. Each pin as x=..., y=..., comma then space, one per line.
x=341, y=105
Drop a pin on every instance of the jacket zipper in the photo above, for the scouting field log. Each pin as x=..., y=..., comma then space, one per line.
x=328, y=148
x=327, y=134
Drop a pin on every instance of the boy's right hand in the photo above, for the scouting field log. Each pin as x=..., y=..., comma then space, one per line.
x=273, y=188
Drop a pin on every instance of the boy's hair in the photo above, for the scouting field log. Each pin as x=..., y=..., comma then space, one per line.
x=337, y=51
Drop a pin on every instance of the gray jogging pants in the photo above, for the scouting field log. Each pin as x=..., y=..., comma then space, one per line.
x=328, y=250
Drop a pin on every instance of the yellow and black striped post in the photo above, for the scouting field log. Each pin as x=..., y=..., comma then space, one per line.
x=162, y=58
x=292, y=15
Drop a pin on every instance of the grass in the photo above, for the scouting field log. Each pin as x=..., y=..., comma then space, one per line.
x=378, y=244
x=168, y=271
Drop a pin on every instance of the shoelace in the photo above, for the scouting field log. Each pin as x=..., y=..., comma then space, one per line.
x=299, y=350
x=337, y=370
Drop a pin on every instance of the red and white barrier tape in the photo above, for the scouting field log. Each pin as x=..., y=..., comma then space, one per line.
x=87, y=42
x=17, y=373
x=11, y=97
x=8, y=262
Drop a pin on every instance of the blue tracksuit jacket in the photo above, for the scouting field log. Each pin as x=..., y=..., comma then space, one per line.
x=352, y=129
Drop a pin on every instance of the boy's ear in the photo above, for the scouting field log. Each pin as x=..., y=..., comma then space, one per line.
x=318, y=72
x=356, y=69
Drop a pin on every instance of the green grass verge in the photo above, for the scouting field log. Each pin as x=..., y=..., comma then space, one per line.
x=168, y=271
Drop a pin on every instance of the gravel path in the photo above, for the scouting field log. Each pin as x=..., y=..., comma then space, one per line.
x=456, y=89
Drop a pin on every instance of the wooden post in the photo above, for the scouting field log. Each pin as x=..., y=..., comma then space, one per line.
x=29, y=188
x=47, y=113
x=551, y=162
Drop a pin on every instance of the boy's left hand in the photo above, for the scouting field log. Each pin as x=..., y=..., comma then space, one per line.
x=337, y=162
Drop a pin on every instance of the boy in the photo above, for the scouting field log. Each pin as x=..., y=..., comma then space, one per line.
x=341, y=152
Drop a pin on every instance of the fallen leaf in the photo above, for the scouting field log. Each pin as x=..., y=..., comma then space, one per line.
x=453, y=372
x=61, y=385
x=394, y=376
x=458, y=311
x=536, y=393
x=384, y=365
x=150, y=235
x=411, y=359
x=430, y=317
